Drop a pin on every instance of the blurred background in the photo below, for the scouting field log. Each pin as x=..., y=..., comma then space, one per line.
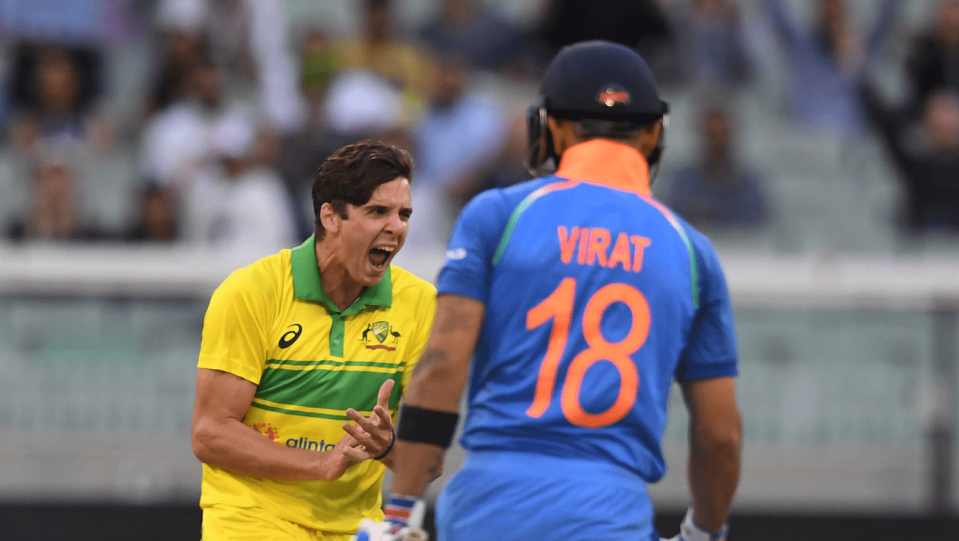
x=150, y=147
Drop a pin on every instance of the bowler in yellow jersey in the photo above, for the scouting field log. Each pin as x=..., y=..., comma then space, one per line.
x=304, y=357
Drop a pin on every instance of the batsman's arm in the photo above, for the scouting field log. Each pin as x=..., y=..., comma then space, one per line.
x=715, y=439
x=437, y=384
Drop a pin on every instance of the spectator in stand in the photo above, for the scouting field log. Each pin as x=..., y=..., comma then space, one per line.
x=826, y=61
x=55, y=92
x=223, y=26
x=719, y=191
x=927, y=158
x=360, y=104
x=641, y=24
x=176, y=142
x=460, y=133
x=461, y=130
x=156, y=218
x=505, y=169
x=302, y=151
x=933, y=60
x=484, y=38
x=320, y=63
x=55, y=212
x=377, y=50
x=237, y=205
x=229, y=23
x=712, y=43
x=248, y=41
x=180, y=50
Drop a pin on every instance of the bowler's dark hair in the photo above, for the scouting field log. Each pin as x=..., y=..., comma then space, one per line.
x=352, y=174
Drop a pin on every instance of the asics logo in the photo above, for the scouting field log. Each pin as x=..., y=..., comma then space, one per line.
x=290, y=336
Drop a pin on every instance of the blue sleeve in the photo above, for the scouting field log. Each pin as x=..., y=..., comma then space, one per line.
x=884, y=22
x=711, y=350
x=782, y=23
x=469, y=255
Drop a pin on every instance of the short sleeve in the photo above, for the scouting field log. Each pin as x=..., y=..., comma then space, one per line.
x=425, y=313
x=711, y=350
x=472, y=245
x=236, y=325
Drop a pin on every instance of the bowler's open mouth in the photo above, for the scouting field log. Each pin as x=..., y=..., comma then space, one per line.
x=379, y=256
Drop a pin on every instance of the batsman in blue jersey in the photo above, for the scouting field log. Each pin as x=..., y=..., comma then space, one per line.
x=579, y=299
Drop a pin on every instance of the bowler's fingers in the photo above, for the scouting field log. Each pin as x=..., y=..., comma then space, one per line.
x=349, y=441
x=364, y=423
x=361, y=436
x=381, y=417
x=366, y=432
x=383, y=395
x=357, y=454
x=376, y=439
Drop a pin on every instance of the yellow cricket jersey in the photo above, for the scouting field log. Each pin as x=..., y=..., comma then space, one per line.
x=270, y=323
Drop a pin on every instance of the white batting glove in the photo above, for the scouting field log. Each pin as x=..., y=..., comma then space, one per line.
x=387, y=531
x=690, y=532
x=404, y=516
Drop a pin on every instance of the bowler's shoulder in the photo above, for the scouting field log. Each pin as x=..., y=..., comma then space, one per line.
x=407, y=285
x=262, y=277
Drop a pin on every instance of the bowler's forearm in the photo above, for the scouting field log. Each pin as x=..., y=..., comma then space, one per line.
x=234, y=446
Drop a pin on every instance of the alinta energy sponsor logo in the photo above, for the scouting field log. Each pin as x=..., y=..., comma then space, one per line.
x=381, y=330
x=267, y=430
x=312, y=445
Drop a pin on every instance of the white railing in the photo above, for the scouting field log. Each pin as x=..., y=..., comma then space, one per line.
x=754, y=279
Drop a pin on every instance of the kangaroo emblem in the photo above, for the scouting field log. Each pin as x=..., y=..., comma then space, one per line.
x=381, y=331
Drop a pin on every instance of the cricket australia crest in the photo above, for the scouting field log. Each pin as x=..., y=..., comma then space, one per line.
x=381, y=330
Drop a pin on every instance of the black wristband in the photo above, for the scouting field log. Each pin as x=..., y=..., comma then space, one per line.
x=421, y=425
x=388, y=449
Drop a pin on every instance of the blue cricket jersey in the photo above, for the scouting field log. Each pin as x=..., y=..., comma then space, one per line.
x=597, y=297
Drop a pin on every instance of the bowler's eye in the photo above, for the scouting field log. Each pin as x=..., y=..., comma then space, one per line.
x=405, y=214
x=378, y=210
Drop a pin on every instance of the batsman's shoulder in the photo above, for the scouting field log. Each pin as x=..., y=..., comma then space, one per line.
x=699, y=241
x=504, y=200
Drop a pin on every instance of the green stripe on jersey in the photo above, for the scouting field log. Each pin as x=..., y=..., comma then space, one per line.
x=299, y=412
x=693, y=263
x=274, y=363
x=335, y=386
x=520, y=209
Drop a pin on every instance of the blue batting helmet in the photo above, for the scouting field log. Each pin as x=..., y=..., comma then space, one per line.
x=595, y=81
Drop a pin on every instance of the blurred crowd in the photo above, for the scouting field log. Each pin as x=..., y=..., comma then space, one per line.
x=241, y=104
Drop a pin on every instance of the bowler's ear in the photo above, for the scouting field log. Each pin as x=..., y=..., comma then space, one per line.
x=330, y=218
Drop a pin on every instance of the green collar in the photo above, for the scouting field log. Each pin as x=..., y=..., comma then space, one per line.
x=307, y=286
